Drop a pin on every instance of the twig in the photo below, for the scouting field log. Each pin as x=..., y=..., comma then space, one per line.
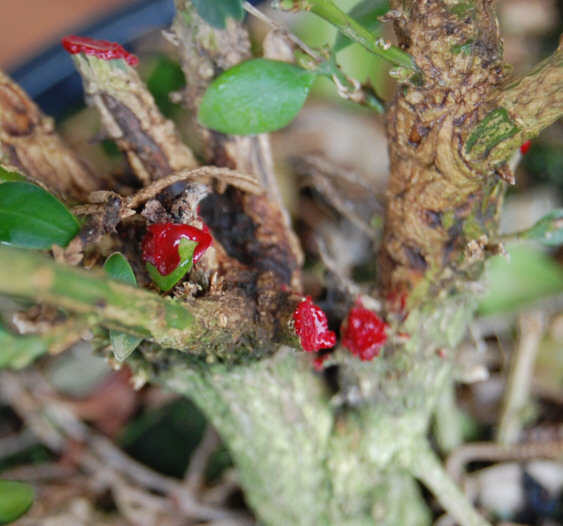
x=132, y=119
x=193, y=477
x=235, y=178
x=427, y=467
x=517, y=392
x=26, y=393
x=16, y=443
x=166, y=321
x=327, y=10
x=489, y=451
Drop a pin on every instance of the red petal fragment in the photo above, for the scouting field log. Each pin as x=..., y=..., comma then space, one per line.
x=311, y=327
x=160, y=245
x=363, y=333
x=98, y=48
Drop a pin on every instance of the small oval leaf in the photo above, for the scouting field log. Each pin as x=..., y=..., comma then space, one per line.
x=15, y=499
x=186, y=250
x=31, y=217
x=256, y=96
x=118, y=268
x=216, y=12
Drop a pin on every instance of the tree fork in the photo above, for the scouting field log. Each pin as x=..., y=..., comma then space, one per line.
x=449, y=142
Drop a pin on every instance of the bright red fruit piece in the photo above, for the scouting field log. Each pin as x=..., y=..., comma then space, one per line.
x=160, y=244
x=98, y=48
x=311, y=327
x=363, y=333
x=525, y=147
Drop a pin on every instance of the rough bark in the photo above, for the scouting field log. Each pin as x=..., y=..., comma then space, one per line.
x=30, y=144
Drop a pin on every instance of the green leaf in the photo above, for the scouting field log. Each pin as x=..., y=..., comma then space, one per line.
x=18, y=351
x=15, y=499
x=9, y=175
x=366, y=13
x=548, y=230
x=31, y=217
x=123, y=344
x=530, y=275
x=165, y=283
x=118, y=268
x=216, y=12
x=255, y=96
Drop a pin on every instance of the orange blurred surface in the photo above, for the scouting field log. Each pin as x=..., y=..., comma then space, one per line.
x=29, y=26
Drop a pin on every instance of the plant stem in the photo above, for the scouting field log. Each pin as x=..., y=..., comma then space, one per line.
x=223, y=325
x=347, y=25
x=517, y=390
x=426, y=466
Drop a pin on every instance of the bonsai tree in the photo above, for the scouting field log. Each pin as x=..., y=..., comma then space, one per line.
x=326, y=412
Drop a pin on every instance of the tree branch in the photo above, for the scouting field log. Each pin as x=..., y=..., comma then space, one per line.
x=131, y=117
x=227, y=325
x=518, y=111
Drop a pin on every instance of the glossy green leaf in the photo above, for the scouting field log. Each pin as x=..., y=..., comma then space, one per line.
x=530, y=275
x=548, y=230
x=18, y=351
x=31, y=217
x=165, y=283
x=366, y=13
x=15, y=499
x=255, y=96
x=216, y=12
x=118, y=268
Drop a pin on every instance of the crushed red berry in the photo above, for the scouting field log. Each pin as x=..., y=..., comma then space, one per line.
x=311, y=327
x=363, y=333
x=525, y=147
x=98, y=48
x=160, y=245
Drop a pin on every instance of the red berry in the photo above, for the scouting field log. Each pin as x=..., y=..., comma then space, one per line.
x=98, y=48
x=160, y=244
x=363, y=333
x=525, y=147
x=311, y=327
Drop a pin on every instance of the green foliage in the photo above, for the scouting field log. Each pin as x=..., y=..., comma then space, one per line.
x=530, y=275
x=165, y=283
x=8, y=175
x=31, y=217
x=256, y=96
x=118, y=268
x=15, y=499
x=548, y=230
x=17, y=351
x=216, y=12
x=166, y=77
x=366, y=13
